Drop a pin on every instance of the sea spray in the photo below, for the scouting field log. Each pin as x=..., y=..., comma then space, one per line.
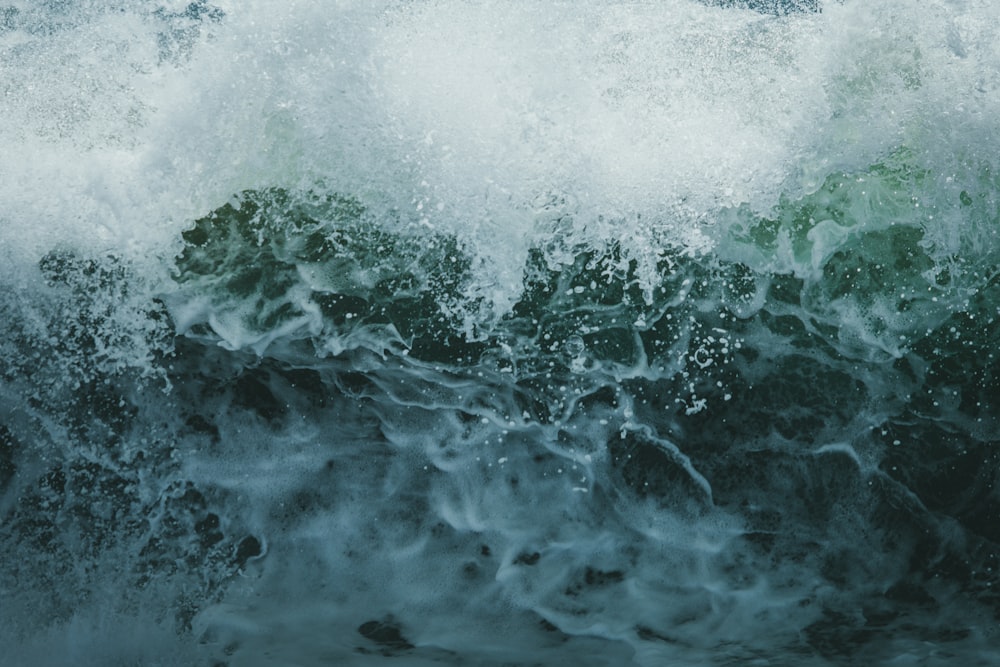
x=499, y=333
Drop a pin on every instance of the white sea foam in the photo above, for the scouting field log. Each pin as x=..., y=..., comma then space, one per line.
x=628, y=121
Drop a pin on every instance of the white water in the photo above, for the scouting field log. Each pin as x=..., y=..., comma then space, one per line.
x=492, y=120
x=509, y=125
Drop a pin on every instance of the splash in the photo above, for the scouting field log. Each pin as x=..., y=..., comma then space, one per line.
x=507, y=333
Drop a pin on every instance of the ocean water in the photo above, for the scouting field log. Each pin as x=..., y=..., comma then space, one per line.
x=501, y=333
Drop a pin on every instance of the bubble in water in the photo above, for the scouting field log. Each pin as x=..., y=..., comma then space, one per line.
x=574, y=346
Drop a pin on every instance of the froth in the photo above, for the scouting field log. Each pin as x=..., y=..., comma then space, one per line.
x=614, y=120
x=505, y=124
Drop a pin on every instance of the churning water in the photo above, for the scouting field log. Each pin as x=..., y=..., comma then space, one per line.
x=457, y=332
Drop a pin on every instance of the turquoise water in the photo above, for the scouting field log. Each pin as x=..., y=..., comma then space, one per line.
x=499, y=333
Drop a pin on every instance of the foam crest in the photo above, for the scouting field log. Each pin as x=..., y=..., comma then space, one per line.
x=506, y=124
x=615, y=120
